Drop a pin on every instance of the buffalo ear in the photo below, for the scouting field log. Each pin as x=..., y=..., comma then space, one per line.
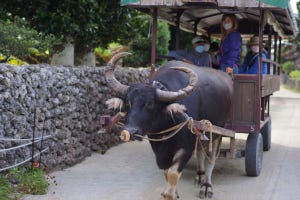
x=115, y=103
x=176, y=108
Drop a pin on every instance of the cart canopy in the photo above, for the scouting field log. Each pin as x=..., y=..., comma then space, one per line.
x=204, y=16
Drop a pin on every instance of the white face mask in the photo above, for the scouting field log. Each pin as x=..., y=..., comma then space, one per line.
x=227, y=26
x=206, y=47
x=255, y=48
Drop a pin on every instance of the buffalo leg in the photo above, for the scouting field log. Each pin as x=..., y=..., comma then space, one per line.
x=206, y=188
x=200, y=159
x=172, y=176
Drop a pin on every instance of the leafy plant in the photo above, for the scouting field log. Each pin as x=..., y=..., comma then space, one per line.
x=16, y=61
x=105, y=54
x=20, y=41
x=29, y=181
x=141, y=45
x=185, y=39
x=288, y=66
x=295, y=75
x=88, y=22
x=32, y=181
x=7, y=191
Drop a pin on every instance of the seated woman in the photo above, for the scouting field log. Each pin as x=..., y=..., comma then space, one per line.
x=250, y=64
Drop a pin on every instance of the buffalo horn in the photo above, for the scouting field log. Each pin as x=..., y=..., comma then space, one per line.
x=110, y=77
x=172, y=96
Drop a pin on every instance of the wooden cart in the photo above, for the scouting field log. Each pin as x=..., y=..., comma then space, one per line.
x=250, y=113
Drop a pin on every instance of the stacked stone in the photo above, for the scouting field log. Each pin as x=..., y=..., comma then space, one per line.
x=65, y=102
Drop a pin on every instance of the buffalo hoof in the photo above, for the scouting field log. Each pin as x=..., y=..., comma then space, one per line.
x=200, y=177
x=165, y=196
x=206, y=191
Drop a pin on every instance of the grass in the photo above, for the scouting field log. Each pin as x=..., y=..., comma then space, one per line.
x=19, y=182
x=291, y=89
x=7, y=191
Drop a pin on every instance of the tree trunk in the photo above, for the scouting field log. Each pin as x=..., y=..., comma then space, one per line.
x=84, y=55
x=64, y=54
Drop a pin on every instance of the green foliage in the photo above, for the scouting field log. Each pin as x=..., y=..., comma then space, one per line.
x=87, y=21
x=2, y=57
x=104, y=54
x=295, y=75
x=30, y=181
x=15, y=61
x=141, y=45
x=141, y=53
x=288, y=66
x=185, y=39
x=19, y=40
x=163, y=38
x=7, y=191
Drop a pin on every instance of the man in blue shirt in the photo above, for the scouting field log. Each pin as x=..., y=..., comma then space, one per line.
x=250, y=64
x=197, y=55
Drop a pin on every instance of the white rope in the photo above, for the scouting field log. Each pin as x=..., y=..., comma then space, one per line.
x=27, y=160
x=26, y=144
x=27, y=139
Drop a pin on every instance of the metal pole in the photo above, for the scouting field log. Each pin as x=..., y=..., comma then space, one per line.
x=279, y=55
x=33, y=137
x=275, y=53
x=153, y=50
x=177, y=42
x=195, y=26
x=260, y=114
x=261, y=29
x=269, y=47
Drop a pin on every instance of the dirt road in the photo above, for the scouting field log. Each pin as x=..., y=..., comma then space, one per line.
x=129, y=171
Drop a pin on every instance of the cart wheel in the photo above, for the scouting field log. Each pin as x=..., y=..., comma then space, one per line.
x=254, y=154
x=266, y=134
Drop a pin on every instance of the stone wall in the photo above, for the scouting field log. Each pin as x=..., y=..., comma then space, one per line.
x=64, y=102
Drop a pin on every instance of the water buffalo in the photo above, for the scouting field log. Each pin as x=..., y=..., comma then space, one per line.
x=200, y=92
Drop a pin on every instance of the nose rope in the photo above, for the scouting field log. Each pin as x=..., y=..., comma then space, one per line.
x=175, y=130
x=193, y=127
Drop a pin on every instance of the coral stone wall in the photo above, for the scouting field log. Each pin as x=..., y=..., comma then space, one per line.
x=64, y=102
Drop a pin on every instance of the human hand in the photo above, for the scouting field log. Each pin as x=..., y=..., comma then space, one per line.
x=229, y=70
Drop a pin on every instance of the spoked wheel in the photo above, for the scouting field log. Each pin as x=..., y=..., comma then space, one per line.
x=254, y=154
x=266, y=134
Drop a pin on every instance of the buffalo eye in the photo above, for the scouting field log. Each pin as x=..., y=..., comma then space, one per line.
x=128, y=105
x=149, y=105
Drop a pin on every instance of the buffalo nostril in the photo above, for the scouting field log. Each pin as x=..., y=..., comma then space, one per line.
x=129, y=133
x=125, y=136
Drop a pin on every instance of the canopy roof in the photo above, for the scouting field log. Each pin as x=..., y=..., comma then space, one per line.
x=207, y=14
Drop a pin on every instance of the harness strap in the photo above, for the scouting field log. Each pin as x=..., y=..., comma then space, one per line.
x=177, y=128
x=170, y=129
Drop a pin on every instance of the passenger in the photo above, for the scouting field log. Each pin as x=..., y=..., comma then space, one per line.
x=230, y=47
x=195, y=55
x=214, y=54
x=250, y=64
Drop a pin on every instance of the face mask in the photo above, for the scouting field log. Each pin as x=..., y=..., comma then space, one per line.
x=227, y=26
x=255, y=48
x=206, y=47
x=199, y=49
